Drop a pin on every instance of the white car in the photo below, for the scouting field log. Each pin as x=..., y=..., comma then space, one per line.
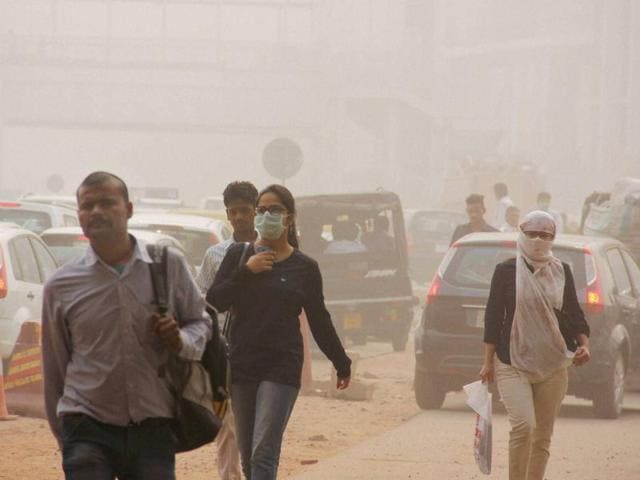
x=25, y=265
x=196, y=234
x=67, y=243
x=37, y=217
x=69, y=201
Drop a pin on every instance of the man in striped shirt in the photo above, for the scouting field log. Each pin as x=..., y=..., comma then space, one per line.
x=240, y=201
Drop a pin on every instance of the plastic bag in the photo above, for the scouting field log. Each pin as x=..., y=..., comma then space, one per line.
x=479, y=399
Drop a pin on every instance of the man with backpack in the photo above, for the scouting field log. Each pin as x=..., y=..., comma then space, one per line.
x=240, y=201
x=106, y=349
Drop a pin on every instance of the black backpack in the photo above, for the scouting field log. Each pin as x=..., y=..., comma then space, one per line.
x=196, y=422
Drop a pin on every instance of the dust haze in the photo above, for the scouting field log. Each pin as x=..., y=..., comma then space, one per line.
x=432, y=100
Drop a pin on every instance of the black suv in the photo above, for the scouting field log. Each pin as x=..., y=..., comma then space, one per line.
x=449, y=340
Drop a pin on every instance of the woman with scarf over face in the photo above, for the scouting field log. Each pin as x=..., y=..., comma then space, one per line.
x=525, y=350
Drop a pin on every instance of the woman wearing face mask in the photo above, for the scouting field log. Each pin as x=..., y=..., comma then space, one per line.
x=534, y=329
x=267, y=295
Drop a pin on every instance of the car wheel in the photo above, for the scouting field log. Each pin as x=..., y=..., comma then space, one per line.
x=429, y=391
x=607, y=402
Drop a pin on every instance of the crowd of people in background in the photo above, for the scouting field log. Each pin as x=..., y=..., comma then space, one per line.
x=506, y=215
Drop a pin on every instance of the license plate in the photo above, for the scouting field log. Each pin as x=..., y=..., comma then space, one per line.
x=475, y=318
x=352, y=321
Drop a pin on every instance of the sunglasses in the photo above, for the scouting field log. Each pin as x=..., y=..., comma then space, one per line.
x=272, y=209
x=542, y=235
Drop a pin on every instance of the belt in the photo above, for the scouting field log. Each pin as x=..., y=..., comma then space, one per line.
x=147, y=422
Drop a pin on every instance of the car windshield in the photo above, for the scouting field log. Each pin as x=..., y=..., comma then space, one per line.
x=472, y=266
x=195, y=242
x=66, y=247
x=35, y=221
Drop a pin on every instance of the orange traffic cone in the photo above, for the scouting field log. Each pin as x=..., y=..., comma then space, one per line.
x=4, y=414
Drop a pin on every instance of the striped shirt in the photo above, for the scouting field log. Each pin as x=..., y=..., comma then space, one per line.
x=211, y=263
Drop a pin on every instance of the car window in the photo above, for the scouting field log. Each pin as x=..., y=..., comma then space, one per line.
x=620, y=275
x=32, y=220
x=45, y=261
x=24, y=261
x=66, y=247
x=472, y=266
x=70, y=221
x=634, y=272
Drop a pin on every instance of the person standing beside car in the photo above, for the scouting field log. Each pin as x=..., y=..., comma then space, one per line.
x=239, y=200
x=104, y=347
x=475, y=212
x=534, y=330
x=267, y=295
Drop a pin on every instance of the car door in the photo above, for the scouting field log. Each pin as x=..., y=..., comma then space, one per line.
x=46, y=261
x=625, y=301
x=634, y=320
x=27, y=283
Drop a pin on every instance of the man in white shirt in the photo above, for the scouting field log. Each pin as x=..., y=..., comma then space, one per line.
x=240, y=201
x=544, y=202
x=502, y=196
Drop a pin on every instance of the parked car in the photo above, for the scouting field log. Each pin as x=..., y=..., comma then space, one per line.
x=428, y=237
x=67, y=243
x=69, y=201
x=365, y=270
x=449, y=340
x=37, y=217
x=25, y=264
x=196, y=234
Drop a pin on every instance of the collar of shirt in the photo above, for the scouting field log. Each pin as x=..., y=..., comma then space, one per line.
x=91, y=257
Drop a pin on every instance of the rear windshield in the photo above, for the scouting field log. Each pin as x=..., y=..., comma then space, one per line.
x=195, y=242
x=37, y=222
x=473, y=266
x=66, y=247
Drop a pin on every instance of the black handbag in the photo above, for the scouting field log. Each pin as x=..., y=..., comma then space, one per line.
x=195, y=421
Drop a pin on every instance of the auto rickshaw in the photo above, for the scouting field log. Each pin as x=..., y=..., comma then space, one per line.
x=359, y=242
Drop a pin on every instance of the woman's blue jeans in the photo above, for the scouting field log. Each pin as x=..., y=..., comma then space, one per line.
x=262, y=411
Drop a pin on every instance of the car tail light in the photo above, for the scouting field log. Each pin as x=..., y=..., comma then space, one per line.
x=434, y=290
x=595, y=299
x=82, y=238
x=9, y=204
x=3, y=276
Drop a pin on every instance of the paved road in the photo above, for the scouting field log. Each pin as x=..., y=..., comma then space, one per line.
x=437, y=445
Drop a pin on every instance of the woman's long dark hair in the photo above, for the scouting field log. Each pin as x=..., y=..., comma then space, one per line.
x=286, y=197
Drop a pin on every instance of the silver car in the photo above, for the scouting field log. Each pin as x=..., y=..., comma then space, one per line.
x=25, y=265
x=37, y=217
x=67, y=243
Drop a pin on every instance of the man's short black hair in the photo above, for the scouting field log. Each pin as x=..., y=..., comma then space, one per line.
x=501, y=189
x=475, y=199
x=243, y=191
x=544, y=196
x=99, y=178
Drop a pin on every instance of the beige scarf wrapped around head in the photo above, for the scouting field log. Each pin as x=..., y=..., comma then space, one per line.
x=536, y=344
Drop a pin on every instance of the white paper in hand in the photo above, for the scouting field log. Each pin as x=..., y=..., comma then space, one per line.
x=479, y=399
